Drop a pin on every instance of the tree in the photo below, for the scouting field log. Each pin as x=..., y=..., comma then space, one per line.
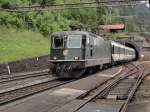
x=43, y=3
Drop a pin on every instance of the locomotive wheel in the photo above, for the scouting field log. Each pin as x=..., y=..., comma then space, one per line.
x=97, y=68
x=93, y=69
x=105, y=66
x=77, y=73
x=90, y=70
x=73, y=74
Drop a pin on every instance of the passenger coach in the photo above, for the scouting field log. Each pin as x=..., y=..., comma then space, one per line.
x=121, y=53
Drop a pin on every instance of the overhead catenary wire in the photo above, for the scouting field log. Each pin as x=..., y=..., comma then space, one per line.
x=91, y=4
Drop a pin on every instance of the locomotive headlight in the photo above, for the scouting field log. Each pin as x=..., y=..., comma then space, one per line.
x=65, y=52
x=54, y=58
x=76, y=58
x=142, y=55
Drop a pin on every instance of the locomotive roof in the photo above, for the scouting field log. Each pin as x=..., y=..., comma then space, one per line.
x=69, y=32
x=75, y=32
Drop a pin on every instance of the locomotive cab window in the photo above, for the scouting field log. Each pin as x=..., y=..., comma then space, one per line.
x=58, y=42
x=74, y=41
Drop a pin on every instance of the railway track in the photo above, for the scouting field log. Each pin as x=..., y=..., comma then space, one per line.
x=14, y=87
x=134, y=88
x=132, y=75
x=143, y=92
x=9, y=78
x=129, y=82
x=24, y=91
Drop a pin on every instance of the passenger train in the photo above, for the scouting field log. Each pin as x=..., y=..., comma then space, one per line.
x=73, y=53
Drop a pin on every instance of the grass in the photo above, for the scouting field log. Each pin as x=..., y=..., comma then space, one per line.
x=17, y=45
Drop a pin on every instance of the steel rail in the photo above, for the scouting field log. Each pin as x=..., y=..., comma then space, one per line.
x=136, y=85
x=22, y=91
x=19, y=93
x=114, y=83
x=105, y=89
x=5, y=95
x=22, y=77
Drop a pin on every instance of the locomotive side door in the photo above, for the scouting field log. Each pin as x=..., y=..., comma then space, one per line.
x=91, y=45
x=83, y=46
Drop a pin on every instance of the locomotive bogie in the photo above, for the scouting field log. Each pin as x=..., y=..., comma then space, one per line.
x=67, y=69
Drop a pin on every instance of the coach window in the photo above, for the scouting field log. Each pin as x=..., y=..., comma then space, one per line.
x=74, y=41
x=58, y=42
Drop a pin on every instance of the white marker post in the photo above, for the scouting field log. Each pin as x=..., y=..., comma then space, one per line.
x=8, y=68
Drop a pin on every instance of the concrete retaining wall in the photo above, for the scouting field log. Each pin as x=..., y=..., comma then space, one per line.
x=146, y=56
x=27, y=65
x=3, y=69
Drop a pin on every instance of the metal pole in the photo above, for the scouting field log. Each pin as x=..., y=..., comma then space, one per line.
x=110, y=14
x=8, y=68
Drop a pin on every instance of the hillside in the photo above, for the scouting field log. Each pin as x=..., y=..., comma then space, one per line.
x=140, y=14
x=50, y=21
x=15, y=45
x=32, y=38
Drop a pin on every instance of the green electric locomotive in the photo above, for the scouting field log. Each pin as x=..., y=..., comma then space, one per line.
x=74, y=52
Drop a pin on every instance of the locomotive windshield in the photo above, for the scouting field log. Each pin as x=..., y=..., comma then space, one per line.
x=74, y=41
x=58, y=42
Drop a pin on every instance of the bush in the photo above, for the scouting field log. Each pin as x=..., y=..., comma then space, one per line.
x=47, y=22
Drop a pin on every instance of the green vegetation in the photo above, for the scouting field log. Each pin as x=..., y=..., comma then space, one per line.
x=115, y=36
x=16, y=45
x=146, y=34
x=26, y=34
x=47, y=22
